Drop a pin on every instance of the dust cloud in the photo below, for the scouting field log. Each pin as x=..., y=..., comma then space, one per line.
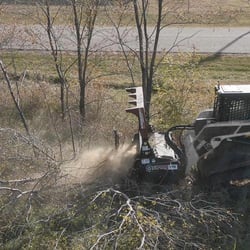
x=102, y=164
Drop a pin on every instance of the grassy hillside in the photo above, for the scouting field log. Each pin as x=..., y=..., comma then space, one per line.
x=49, y=201
x=64, y=186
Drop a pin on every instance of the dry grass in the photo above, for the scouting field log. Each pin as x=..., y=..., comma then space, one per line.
x=45, y=202
x=205, y=12
x=34, y=80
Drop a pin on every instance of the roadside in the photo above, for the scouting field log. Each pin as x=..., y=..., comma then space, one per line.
x=173, y=39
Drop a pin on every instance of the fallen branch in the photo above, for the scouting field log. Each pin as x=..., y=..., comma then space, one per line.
x=14, y=190
x=20, y=181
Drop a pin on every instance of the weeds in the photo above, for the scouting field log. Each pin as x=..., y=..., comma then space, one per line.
x=48, y=201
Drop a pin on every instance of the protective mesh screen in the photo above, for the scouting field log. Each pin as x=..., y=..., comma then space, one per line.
x=232, y=108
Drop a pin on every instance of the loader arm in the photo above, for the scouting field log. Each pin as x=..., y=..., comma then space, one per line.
x=213, y=134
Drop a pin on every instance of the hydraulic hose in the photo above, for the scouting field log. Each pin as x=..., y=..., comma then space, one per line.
x=178, y=150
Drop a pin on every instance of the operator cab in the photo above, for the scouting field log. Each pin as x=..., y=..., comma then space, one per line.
x=232, y=103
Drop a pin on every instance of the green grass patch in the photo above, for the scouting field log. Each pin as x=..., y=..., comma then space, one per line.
x=108, y=69
x=112, y=67
x=227, y=69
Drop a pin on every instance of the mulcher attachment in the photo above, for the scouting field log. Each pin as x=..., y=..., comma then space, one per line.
x=155, y=160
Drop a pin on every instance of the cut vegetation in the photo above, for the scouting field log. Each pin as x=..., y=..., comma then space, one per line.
x=63, y=185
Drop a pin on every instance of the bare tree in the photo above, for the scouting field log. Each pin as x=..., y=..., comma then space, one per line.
x=84, y=14
x=147, y=56
x=148, y=33
x=150, y=18
x=56, y=53
x=58, y=62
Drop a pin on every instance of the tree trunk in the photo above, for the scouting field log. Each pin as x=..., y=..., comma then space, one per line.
x=82, y=101
x=55, y=54
x=147, y=58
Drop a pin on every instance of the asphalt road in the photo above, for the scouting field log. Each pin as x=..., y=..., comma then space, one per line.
x=200, y=39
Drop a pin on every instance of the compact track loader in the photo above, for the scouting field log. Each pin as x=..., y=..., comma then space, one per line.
x=217, y=144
